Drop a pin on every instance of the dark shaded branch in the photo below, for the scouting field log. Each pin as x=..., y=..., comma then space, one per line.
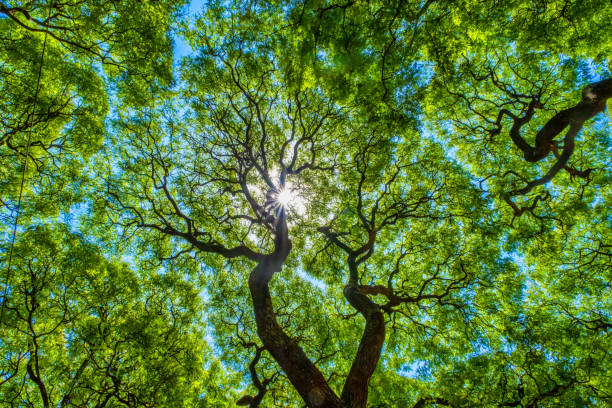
x=261, y=386
x=568, y=149
x=593, y=101
x=34, y=374
x=572, y=171
x=75, y=380
x=43, y=26
x=432, y=401
x=355, y=391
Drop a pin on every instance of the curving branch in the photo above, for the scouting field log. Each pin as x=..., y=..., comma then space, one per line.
x=374, y=215
x=570, y=120
x=68, y=36
x=593, y=101
x=356, y=386
x=355, y=391
x=262, y=386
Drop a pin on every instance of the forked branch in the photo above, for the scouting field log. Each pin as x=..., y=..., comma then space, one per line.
x=593, y=101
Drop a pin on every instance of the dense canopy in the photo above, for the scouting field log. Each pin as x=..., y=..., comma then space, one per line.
x=305, y=203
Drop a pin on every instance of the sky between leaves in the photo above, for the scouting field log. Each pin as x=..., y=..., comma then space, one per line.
x=148, y=170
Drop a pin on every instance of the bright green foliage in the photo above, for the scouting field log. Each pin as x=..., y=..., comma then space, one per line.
x=90, y=52
x=93, y=332
x=383, y=121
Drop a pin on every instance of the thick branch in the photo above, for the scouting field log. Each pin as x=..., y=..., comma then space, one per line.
x=568, y=149
x=437, y=401
x=593, y=101
x=254, y=401
x=35, y=376
x=355, y=391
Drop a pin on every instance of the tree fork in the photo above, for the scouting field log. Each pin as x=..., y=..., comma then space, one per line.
x=593, y=101
x=594, y=97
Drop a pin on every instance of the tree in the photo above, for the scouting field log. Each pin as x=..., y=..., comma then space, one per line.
x=343, y=186
x=61, y=63
x=82, y=331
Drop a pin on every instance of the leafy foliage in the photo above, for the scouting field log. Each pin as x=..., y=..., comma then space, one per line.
x=443, y=237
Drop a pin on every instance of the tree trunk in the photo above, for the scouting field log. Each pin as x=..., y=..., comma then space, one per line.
x=302, y=373
x=355, y=392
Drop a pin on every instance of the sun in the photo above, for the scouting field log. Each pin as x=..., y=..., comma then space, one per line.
x=284, y=197
x=289, y=197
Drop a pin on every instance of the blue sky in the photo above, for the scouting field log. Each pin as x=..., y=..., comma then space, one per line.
x=181, y=49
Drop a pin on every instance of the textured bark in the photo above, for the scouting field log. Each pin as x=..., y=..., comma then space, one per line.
x=568, y=149
x=302, y=373
x=356, y=386
x=593, y=101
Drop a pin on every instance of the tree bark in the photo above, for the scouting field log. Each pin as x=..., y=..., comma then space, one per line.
x=356, y=386
x=302, y=373
x=593, y=101
x=355, y=392
x=35, y=376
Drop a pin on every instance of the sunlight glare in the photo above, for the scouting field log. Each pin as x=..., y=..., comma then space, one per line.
x=284, y=197
x=291, y=198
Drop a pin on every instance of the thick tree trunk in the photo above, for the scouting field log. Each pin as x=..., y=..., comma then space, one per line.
x=303, y=374
x=355, y=392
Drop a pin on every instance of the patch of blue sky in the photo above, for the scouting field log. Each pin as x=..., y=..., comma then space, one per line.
x=508, y=347
x=74, y=215
x=316, y=283
x=208, y=329
x=418, y=370
x=590, y=71
x=129, y=259
x=516, y=258
x=181, y=47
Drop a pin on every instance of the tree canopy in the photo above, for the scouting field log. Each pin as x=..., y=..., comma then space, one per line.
x=320, y=203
